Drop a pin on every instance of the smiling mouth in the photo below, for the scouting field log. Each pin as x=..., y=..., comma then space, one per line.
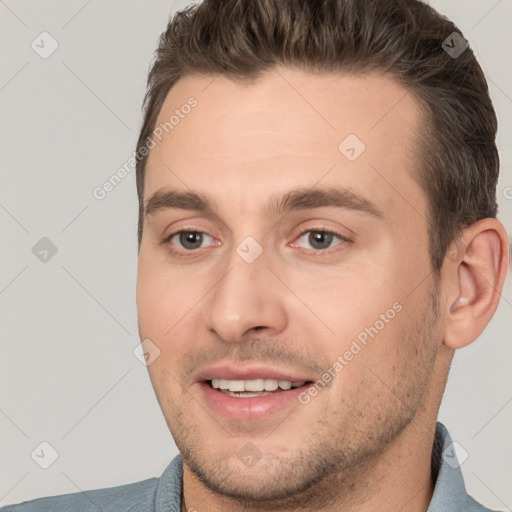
x=253, y=387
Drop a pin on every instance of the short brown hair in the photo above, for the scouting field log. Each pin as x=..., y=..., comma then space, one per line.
x=241, y=39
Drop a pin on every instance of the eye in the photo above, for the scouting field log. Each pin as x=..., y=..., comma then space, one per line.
x=320, y=239
x=190, y=240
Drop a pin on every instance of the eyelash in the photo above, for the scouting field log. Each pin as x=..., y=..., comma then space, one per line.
x=184, y=253
x=343, y=239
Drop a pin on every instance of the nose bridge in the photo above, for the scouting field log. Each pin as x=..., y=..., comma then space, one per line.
x=243, y=298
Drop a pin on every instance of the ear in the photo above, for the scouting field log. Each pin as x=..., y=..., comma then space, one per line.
x=473, y=277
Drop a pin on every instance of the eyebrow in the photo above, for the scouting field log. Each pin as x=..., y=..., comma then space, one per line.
x=299, y=199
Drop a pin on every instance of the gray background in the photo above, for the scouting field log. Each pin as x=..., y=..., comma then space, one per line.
x=68, y=375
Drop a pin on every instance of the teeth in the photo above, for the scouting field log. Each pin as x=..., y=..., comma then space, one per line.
x=271, y=384
x=254, y=385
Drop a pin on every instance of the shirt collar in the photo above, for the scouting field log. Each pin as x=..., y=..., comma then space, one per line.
x=169, y=488
x=449, y=491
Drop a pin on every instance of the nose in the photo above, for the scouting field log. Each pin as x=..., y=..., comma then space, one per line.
x=246, y=299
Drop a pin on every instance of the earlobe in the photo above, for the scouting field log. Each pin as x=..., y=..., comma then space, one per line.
x=476, y=278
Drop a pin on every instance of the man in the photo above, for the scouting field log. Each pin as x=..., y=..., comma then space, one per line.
x=317, y=236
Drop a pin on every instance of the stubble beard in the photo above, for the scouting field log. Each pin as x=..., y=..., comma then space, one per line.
x=337, y=452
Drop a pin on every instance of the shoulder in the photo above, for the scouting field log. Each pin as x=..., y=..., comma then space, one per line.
x=152, y=495
x=474, y=506
x=136, y=497
x=466, y=504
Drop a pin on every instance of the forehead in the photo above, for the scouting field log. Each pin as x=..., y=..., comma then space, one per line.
x=289, y=128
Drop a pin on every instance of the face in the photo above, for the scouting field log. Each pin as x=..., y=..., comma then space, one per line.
x=279, y=252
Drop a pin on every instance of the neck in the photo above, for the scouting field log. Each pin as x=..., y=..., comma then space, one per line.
x=399, y=479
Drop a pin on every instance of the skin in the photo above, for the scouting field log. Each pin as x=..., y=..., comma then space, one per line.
x=364, y=442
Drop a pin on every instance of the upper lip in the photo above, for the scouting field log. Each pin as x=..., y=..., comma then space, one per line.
x=232, y=372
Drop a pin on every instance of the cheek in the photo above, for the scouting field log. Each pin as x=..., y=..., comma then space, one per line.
x=164, y=295
x=342, y=305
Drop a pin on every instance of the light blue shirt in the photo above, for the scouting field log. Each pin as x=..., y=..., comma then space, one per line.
x=164, y=494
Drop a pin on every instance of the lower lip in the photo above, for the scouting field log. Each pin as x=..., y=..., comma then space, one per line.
x=252, y=408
